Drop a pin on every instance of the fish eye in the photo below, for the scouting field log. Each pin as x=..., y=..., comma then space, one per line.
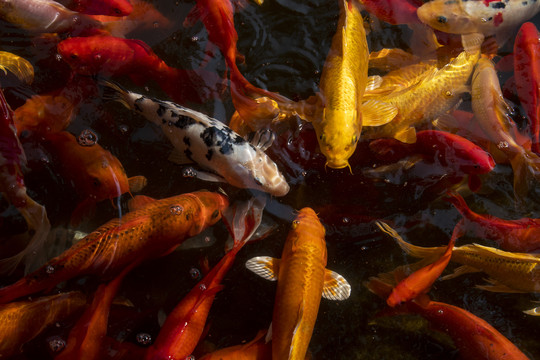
x=322, y=137
x=96, y=182
x=442, y=19
x=354, y=140
x=215, y=214
x=74, y=56
x=117, y=11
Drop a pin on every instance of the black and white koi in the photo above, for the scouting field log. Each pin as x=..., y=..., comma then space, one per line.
x=207, y=142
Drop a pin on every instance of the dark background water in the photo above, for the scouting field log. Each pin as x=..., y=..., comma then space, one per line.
x=285, y=44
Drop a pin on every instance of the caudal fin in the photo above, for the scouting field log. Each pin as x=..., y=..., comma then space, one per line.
x=243, y=219
x=526, y=167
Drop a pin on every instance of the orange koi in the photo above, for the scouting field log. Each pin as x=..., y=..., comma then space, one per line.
x=474, y=337
x=22, y=321
x=12, y=161
x=112, y=56
x=302, y=279
x=183, y=328
x=420, y=281
x=152, y=231
x=256, y=349
x=95, y=172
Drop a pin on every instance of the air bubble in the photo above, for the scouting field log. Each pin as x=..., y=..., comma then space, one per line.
x=123, y=129
x=143, y=338
x=502, y=145
x=345, y=220
x=189, y=172
x=202, y=287
x=194, y=273
x=56, y=344
x=176, y=209
x=194, y=38
x=49, y=269
x=87, y=138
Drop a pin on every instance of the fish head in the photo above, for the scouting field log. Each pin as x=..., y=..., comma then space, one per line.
x=107, y=178
x=211, y=207
x=93, y=55
x=447, y=16
x=338, y=135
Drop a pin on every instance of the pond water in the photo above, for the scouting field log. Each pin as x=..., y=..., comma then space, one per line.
x=285, y=44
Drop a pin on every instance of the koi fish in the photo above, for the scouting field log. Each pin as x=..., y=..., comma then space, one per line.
x=207, y=142
x=527, y=77
x=95, y=173
x=474, y=337
x=420, y=281
x=12, y=186
x=46, y=16
x=256, y=349
x=520, y=235
x=112, y=56
x=394, y=12
x=100, y=7
x=509, y=272
x=487, y=17
x=491, y=112
x=447, y=149
x=436, y=94
x=22, y=321
x=183, y=327
x=154, y=230
x=342, y=85
x=302, y=279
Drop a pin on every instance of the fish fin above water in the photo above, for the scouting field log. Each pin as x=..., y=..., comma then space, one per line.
x=373, y=82
x=265, y=266
x=140, y=201
x=261, y=139
x=495, y=286
x=377, y=113
x=137, y=183
x=460, y=271
x=335, y=286
x=407, y=135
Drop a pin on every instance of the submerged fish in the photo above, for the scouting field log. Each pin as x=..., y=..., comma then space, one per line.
x=302, y=279
x=256, y=349
x=17, y=65
x=100, y=7
x=208, y=142
x=153, y=230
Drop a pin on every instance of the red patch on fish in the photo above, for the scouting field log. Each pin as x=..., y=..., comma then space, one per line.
x=486, y=2
x=498, y=19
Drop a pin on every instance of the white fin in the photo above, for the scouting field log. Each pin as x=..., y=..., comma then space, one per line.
x=261, y=139
x=268, y=336
x=335, y=286
x=265, y=266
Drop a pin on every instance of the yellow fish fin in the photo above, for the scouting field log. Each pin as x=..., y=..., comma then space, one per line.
x=406, y=135
x=374, y=82
x=377, y=113
x=17, y=65
x=265, y=266
x=496, y=286
x=137, y=183
x=446, y=122
x=390, y=59
x=465, y=269
x=335, y=286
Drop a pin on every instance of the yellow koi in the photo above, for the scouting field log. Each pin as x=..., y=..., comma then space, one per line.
x=17, y=65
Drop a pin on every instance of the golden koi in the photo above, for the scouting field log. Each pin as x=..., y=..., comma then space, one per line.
x=17, y=65
x=302, y=279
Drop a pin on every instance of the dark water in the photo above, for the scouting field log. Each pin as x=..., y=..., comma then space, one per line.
x=285, y=44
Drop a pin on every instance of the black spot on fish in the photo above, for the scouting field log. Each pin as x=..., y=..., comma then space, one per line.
x=238, y=139
x=209, y=154
x=188, y=154
x=161, y=110
x=213, y=136
x=186, y=141
x=524, y=3
x=498, y=5
x=136, y=104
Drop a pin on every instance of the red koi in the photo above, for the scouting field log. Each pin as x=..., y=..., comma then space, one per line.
x=100, y=7
x=150, y=232
x=182, y=330
x=521, y=235
x=394, y=12
x=527, y=77
x=112, y=56
x=420, y=281
x=474, y=337
x=12, y=161
x=449, y=150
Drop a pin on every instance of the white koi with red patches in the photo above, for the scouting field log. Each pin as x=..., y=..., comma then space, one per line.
x=207, y=142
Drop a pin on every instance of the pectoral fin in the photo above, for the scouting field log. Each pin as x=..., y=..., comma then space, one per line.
x=373, y=82
x=335, y=286
x=137, y=183
x=377, y=113
x=407, y=135
x=265, y=266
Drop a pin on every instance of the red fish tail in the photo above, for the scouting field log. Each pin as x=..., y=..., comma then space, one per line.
x=460, y=205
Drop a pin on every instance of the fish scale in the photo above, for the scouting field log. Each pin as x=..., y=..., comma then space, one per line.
x=207, y=142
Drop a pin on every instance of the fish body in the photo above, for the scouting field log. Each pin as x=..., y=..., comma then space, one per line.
x=302, y=279
x=208, y=142
x=22, y=321
x=486, y=17
x=101, y=7
x=149, y=232
x=436, y=94
x=527, y=77
x=491, y=112
x=394, y=12
x=342, y=85
x=521, y=235
x=45, y=16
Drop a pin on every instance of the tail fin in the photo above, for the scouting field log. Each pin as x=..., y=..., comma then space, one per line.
x=113, y=92
x=35, y=253
x=243, y=219
x=526, y=167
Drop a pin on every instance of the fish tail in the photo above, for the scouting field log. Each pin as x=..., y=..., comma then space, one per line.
x=243, y=219
x=413, y=250
x=35, y=252
x=113, y=92
x=459, y=203
x=526, y=167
